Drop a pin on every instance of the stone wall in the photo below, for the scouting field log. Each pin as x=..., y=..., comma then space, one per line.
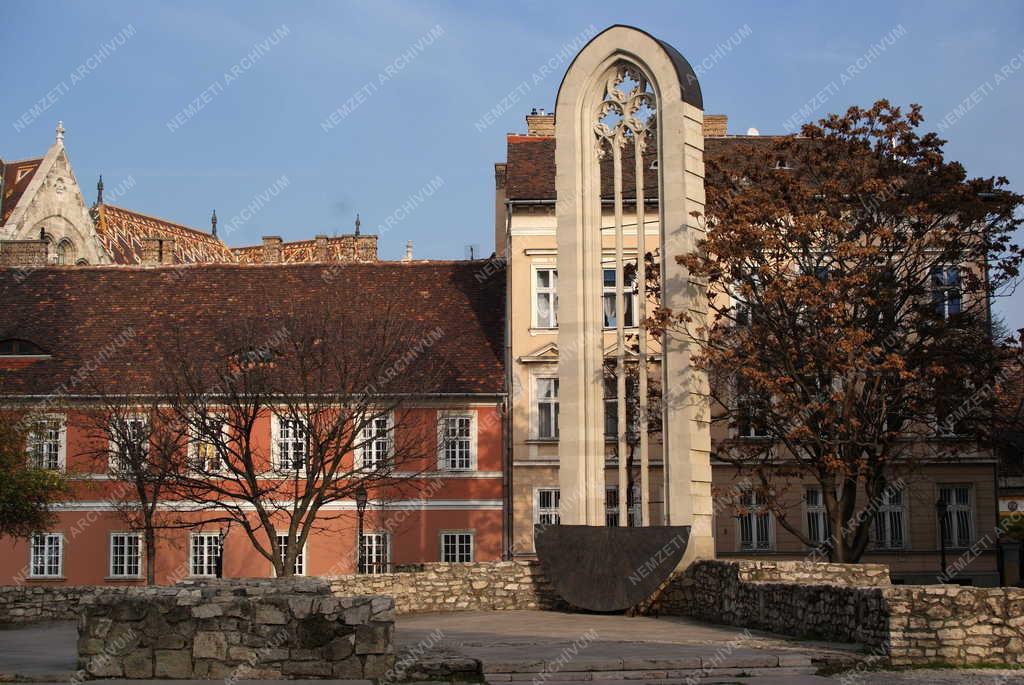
x=31, y=603
x=437, y=587
x=500, y=585
x=903, y=624
x=261, y=629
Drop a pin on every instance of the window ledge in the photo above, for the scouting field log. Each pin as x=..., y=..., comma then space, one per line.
x=45, y=579
x=541, y=441
x=124, y=579
x=543, y=331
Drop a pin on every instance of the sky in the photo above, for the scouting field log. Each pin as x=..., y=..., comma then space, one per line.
x=289, y=118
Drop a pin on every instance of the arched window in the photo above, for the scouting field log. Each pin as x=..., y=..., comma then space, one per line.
x=65, y=252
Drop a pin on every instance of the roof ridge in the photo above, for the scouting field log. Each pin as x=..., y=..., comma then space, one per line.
x=9, y=162
x=166, y=221
x=237, y=265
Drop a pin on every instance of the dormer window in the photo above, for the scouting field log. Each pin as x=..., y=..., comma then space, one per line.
x=13, y=347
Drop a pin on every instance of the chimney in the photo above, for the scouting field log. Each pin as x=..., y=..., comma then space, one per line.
x=150, y=251
x=320, y=251
x=408, y=251
x=271, y=249
x=540, y=123
x=167, y=251
x=715, y=125
x=156, y=250
x=24, y=253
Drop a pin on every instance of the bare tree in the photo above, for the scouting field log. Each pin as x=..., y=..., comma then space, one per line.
x=140, y=445
x=342, y=392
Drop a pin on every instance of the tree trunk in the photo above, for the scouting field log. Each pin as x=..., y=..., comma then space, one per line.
x=150, y=537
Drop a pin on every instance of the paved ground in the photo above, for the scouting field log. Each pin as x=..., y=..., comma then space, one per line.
x=508, y=636
x=41, y=648
x=534, y=636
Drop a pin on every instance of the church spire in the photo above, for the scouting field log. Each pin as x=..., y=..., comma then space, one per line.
x=213, y=224
x=357, y=224
x=99, y=191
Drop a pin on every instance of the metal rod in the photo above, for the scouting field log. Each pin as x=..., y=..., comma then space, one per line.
x=641, y=277
x=620, y=336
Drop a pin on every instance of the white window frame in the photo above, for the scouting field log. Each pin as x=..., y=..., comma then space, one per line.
x=385, y=561
x=547, y=515
x=112, y=557
x=955, y=541
x=537, y=290
x=196, y=440
x=442, y=439
x=275, y=447
x=627, y=295
x=209, y=571
x=365, y=438
x=540, y=403
x=754, y=510
x=62, y=440
x=114, y=461
x=815, y=516
x=458, y=534
x=943, y=290
x=882, y=530
x=48, y=540
x=300, y=559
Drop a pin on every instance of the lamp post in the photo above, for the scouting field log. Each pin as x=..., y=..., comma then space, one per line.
x=941, y=508
x=361, y=498
x=221, y=534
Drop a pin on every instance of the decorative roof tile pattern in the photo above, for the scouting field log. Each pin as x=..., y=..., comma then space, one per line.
x=344, y=248
x=122, y=232
x=16, y=177
x=105, y=326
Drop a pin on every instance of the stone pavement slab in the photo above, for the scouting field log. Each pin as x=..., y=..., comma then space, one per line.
x=39, y=649
x=532, y=641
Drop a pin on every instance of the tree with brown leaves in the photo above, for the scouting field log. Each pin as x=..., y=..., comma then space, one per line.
x=849, y=273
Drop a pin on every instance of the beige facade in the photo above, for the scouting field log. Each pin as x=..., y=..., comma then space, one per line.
x=531, y=246
x=905, y=536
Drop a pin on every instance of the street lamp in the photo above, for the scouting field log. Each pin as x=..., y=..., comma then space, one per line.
x=221, y=534
x=941, y=508
x=361, y=498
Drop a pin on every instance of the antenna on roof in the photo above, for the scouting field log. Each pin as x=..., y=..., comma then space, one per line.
x=471, y=251
x=213, y=224
x=357, y=224
x=99, y=190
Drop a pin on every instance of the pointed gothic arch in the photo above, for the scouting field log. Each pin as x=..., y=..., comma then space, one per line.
x=628, y=97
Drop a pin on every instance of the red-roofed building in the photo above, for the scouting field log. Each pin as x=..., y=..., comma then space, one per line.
x=44, y=219
x=72, y=338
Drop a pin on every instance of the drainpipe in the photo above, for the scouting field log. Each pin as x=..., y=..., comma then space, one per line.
x=507, y=529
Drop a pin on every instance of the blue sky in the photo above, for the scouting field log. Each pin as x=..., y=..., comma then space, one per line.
x=268, y=76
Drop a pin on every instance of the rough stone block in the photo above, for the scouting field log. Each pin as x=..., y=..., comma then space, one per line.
x=138, y=664
x=209, y=645
x=173, y=663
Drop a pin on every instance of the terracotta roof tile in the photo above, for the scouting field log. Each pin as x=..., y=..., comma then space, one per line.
x=344, y=248
x=79, y=315
x=122, y=230
x=16, y=177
